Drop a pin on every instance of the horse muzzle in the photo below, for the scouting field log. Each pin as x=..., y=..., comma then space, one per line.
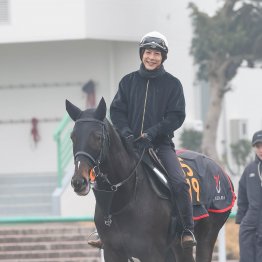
x=80, y=185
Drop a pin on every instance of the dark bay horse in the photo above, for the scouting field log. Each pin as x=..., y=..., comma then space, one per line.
x=133, y=222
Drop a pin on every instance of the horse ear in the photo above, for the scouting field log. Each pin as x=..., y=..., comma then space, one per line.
x=72, y=110
x=100, y=112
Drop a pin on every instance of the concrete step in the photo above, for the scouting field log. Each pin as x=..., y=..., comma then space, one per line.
x=46, y=187
x=51, y=242
x=45, y=242
x=8, y=179
x=48, y=230
x=79, y=253
x=25, y=198
x=42, y=238
x=71, y=259
x=27, y=210
x=27, y=194
x=68, y=245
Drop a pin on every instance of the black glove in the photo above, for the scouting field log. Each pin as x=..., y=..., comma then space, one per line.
x=129, y=142
x=144, y=142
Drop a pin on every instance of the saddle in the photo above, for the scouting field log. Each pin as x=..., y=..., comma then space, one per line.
x=158, y=175
x=210, y=187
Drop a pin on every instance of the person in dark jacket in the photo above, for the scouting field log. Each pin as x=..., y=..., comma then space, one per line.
x=148, y=107
x=249, y=213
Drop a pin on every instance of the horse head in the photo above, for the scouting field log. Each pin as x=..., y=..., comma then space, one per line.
x=89, y=143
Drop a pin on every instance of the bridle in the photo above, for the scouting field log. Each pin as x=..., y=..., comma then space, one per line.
x=96, y=162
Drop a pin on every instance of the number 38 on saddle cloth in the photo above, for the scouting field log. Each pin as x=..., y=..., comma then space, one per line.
x=211, y=189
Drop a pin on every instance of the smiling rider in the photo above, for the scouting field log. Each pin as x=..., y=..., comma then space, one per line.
x=150, y=105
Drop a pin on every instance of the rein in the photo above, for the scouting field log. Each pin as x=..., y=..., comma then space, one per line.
x=104, y=197
x=116, y=186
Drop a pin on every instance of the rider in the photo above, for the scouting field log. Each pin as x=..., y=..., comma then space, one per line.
x=150, y=105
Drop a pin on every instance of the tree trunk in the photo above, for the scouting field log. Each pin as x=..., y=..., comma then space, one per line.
x=216, y=85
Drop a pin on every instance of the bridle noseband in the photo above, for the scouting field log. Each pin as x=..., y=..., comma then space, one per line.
x=95, y=162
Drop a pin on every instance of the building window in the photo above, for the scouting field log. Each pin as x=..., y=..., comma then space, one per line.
x=244, y=129
x=4, y=11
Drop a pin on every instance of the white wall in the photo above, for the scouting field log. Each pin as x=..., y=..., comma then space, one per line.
x=242, y=102
x=43, y=20
x=120, y=19
x=245, y=99
x=75, y=205
x=49, y=65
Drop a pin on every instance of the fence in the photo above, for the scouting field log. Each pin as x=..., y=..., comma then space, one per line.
x=64, y=147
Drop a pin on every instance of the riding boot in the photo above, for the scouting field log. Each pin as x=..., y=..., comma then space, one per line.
x=96, y=243
x=181, y=198
x=184, y=209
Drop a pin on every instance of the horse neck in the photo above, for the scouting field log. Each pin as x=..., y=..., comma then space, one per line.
x=119, y=167
x=119, y=164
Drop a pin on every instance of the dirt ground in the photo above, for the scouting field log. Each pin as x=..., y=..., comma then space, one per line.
x=232, y=247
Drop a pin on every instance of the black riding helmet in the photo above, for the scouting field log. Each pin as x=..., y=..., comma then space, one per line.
x=154, y=40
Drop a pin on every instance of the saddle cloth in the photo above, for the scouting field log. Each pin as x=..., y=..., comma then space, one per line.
x=211, y=189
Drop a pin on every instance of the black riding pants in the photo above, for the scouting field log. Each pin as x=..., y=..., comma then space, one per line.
x=179, y=186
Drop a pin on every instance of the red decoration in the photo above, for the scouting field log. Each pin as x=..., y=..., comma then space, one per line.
x=89, y=90
x=34, y=130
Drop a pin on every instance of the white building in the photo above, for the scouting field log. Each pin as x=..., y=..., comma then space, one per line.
x=50, y=48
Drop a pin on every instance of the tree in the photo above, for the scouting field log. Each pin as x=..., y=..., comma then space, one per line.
x=241, y=153
x=191, y=139
x=221, y=43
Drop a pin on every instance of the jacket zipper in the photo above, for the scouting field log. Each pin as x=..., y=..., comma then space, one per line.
x=259, y=172
x=143, y=118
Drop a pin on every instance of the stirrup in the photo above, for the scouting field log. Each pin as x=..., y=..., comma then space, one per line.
x=97, y=243
x=188, y=239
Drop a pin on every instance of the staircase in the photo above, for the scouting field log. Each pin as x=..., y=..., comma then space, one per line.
x=26, y=194
x=51, y=242
x=47, y=242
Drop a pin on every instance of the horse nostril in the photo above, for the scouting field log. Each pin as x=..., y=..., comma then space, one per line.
x=78, y=183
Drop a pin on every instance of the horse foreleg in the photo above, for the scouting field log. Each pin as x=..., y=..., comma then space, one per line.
x=182, y=255
x=111, y=255
x=153, y=257
x=154, y=253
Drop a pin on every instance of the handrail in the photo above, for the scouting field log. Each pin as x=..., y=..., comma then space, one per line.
x=25, y=220
x=232, y=215
x=61, y=126
x=64, y=147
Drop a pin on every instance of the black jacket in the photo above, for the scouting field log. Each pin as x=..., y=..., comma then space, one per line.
x=164, y=106
x=250, y=196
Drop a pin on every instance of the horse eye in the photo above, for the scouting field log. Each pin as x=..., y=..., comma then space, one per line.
x=97, y=136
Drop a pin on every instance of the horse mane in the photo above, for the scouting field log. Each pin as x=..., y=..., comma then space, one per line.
x=118, y=137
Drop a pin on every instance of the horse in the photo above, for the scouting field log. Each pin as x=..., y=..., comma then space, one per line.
x=133, y=221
